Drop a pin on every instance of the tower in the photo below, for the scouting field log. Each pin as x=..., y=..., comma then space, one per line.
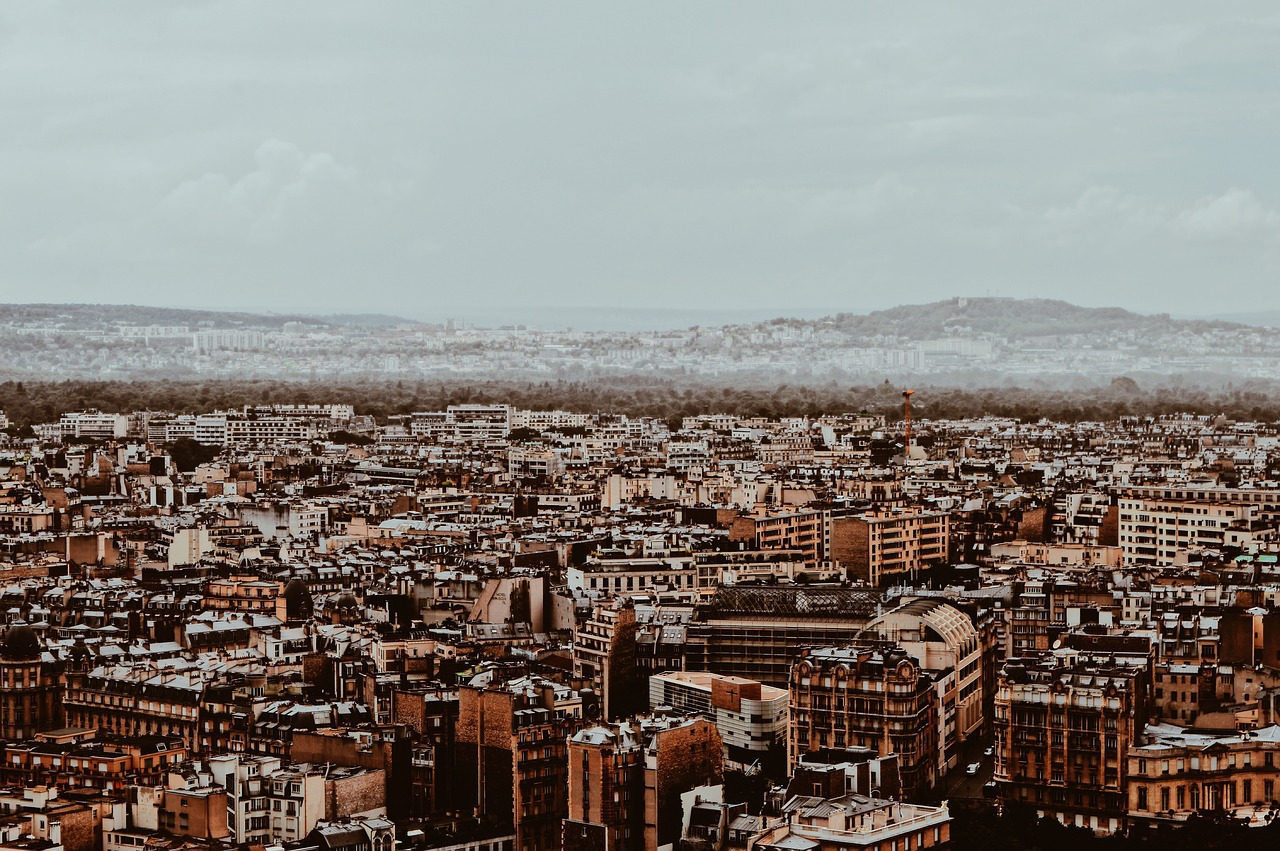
x=906, y=417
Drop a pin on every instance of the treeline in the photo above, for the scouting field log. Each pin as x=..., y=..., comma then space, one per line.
x=32, y=402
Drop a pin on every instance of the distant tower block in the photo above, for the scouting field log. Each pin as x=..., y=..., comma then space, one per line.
x=906, y=417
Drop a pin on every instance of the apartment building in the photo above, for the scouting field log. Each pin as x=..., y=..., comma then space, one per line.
x=270, y=429
x=196, y=811
x=625, y=576
x=881, y=547
x=1160, y=525
x=856, y=821
x=227, y=339
x=625, y=781
x=39, y=819
x=94, y=425
x=549, y=420
x=245, y=594
x=478, y=422
x=30, y=691
x=71, y=759
x=867, y=697
x=604, y=654
x=751, y=718
x=1177, y=772
x=188, y=546
x=1063, y=728
x=139, y=700
x=751, y=567
x=808, y=531
x=246, y=781
x=946, y=644
x=511, y=760
x=685, y=455
x=209, y=429
x=537, y=462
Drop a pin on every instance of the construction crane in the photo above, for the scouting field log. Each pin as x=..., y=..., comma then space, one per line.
x=906, y=416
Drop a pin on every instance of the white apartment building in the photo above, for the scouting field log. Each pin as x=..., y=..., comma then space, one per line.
x=549, y=420
x=270, y=429
x=227, y=339
x=297, y=803
x=93, y=424
x=613, y=577
x=751, y=718
x=537, y=461
x=1160, y=525
x=248, y=807
x=479, y=422
x=686, y=454
x=267, y=802
x=209, y=429
x=188, y=546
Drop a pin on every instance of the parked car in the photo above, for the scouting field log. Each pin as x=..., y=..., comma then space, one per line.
x=989, y=789
x=989, y=751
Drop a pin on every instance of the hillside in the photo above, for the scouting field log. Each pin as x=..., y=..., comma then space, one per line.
x=89, y=316
x=1012, y=318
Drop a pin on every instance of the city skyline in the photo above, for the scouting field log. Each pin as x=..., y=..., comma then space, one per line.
x=662, y=427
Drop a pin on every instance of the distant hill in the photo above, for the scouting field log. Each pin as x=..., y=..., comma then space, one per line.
x=100, y=315
x=1261, y=319
x=1010, y=317
x=1006, y=317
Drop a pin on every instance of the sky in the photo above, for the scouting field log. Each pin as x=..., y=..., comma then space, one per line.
x=425, y=159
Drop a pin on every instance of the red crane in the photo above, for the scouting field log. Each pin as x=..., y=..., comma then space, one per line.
x=906, y=416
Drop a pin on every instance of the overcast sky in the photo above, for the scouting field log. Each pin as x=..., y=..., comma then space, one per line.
x=421, y=158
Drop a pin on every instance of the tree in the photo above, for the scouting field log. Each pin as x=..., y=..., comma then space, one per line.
x=188, y=453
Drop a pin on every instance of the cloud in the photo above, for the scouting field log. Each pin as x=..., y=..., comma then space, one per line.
x=281, y=192
x=884, y=199
x=1235, y=214
x=842, y=155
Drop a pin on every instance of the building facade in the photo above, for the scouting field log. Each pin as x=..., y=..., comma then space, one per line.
x=866, y=697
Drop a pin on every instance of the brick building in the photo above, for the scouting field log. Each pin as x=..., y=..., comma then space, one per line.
x=866, y=697
x=1062, y=730
x=510, y=761
x=889, y=545
x=625, y=781
x=808, y=531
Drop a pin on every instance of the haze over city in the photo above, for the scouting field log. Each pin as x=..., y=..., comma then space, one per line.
x=424, y=157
